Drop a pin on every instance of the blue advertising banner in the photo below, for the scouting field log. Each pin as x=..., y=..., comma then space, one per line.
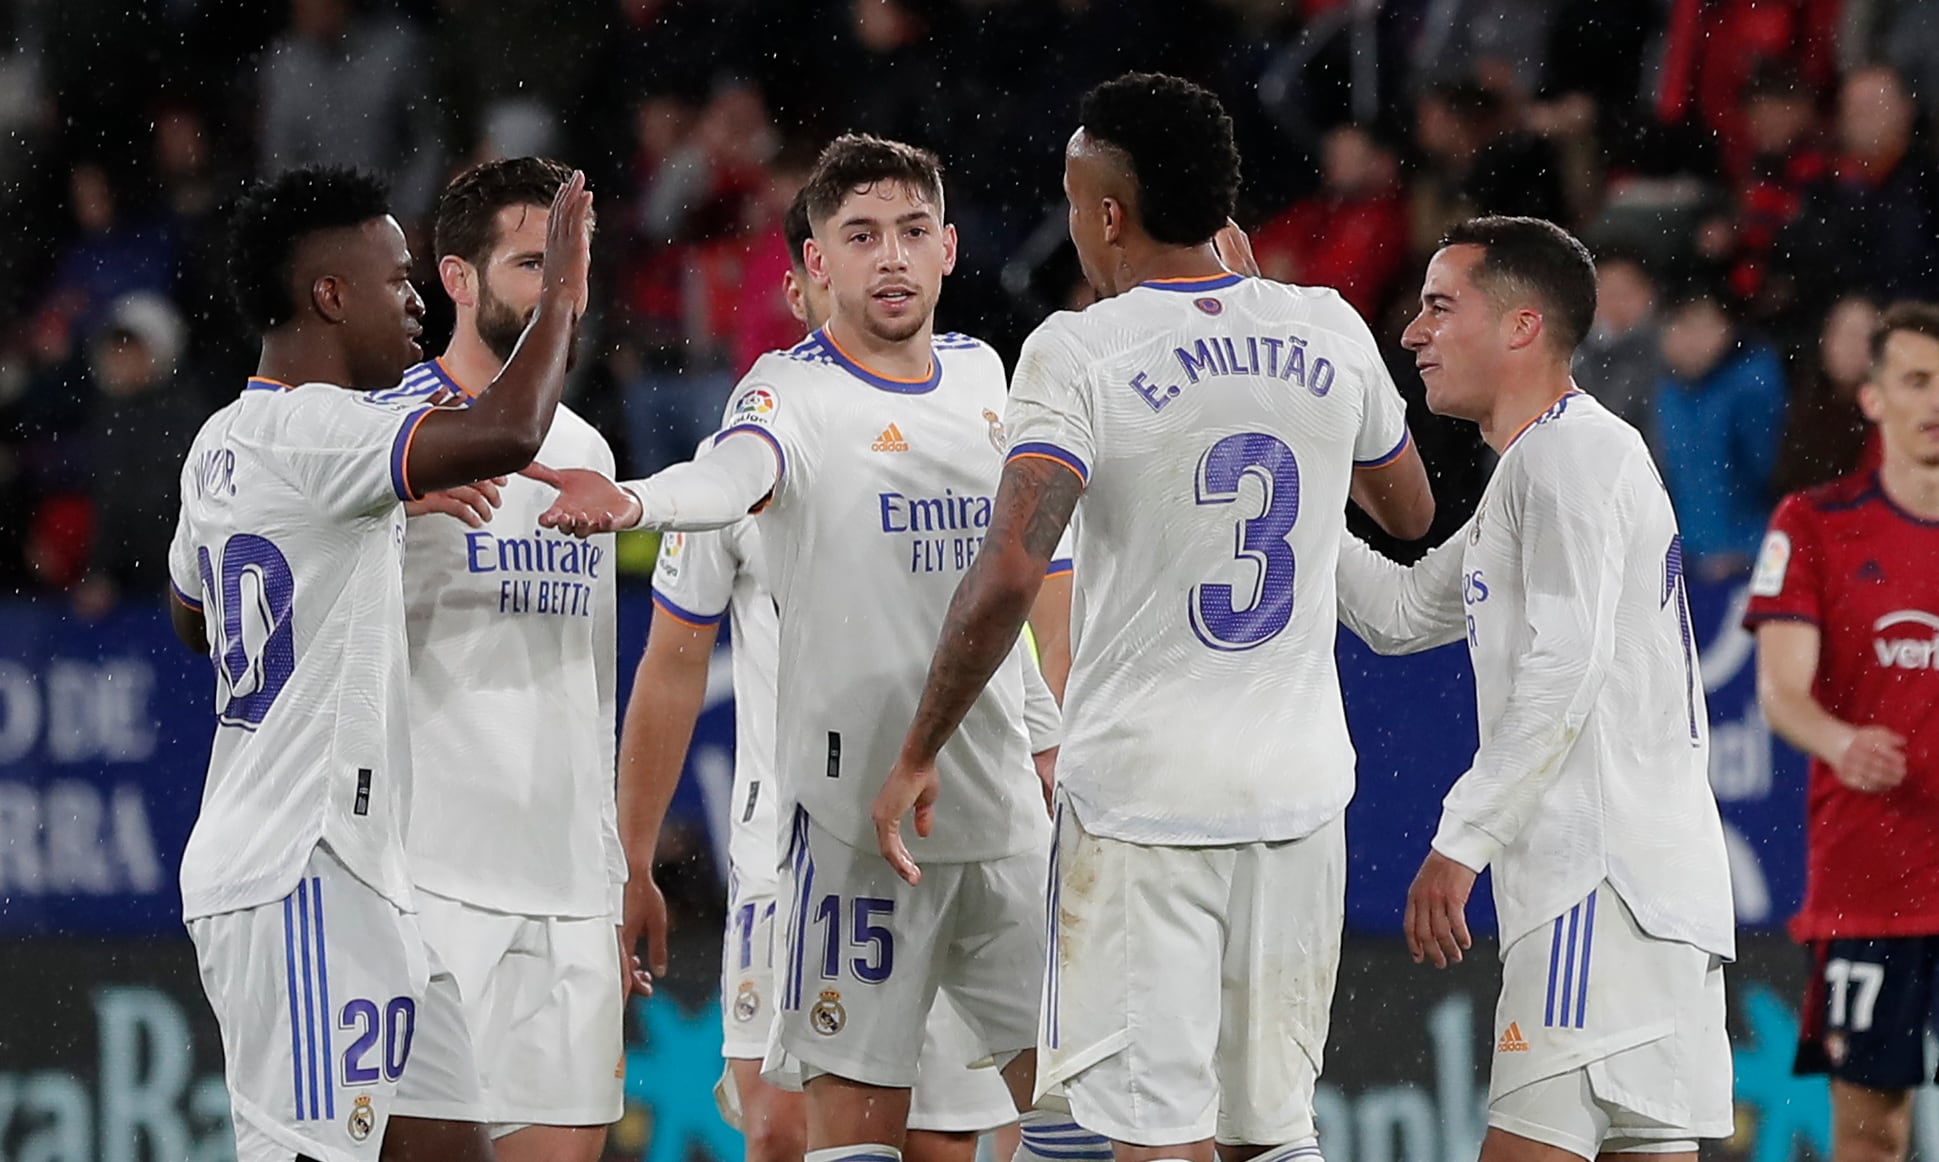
x=105, y=727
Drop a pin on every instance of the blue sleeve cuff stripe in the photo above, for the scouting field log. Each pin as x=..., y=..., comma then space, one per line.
x=182, y=596
x=685, y=615
x=400, y=451
x=1406, y=437
x=1060, y=565
x=1052, y=452
x=780, y=457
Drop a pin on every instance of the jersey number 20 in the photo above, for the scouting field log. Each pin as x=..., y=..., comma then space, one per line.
x=252, y=591
x=1263, y=539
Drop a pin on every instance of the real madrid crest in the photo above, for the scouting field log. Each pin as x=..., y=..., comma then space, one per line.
x=362, y=1119
x=998, y=438
x=828, y=1016
x=747, y=1002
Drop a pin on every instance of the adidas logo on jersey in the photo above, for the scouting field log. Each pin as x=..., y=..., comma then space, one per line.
x=890, y=441
x=1511, y=1041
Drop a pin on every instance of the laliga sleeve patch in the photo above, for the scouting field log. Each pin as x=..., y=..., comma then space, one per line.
x=756, y=405
x=1772, y=562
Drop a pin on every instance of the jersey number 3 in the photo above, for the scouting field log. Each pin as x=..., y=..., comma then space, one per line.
x=255, y=651
x=1262, y=539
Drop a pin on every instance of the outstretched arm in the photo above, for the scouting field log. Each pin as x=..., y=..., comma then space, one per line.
x=502, y=431
x=1033, y=506
x=1397, y=609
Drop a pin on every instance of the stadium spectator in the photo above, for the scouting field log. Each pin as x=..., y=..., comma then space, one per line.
x=1826, y=435
x=1872, y=224
x=1621, y=360
x=1719, y=411
x=141, y=416
x=1352, y=234
x=340, y=89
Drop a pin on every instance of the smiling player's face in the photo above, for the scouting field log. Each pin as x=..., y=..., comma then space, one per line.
x=881, y=258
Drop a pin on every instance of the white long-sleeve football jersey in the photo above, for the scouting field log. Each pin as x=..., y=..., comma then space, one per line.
x=512, y=633
x=290, y=542
x=881, y=494
x=1593, y=763
x=1216, y=423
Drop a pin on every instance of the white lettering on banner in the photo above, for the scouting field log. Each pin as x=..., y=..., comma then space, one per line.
x=99, y=710
x=150, y=1102
x=19, y=712
x=64, y=839
x=1405, y=1123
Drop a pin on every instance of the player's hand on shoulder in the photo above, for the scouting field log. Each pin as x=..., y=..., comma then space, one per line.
x=568, y=243
x=1872, y=761
x=1436, y=923
x=908, y=787
x=588, y=502
x=1235, y=250
x=471, y=503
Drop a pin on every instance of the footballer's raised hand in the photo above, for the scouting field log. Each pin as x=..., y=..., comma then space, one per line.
x=587, y=503
x=1235, y=250
x=470, y=503
x=568, y=243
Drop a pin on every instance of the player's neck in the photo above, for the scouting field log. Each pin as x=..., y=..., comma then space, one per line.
x=1519, y=406
x=296, y=357
x=1156, y=263
x=1912, y=486
x=470, y=363
x=911, y=358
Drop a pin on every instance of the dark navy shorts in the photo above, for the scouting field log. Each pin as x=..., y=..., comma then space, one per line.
x=1867, y=1008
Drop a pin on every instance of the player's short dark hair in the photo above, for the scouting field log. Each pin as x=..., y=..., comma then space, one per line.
x=1178, y=141
x=796, y=229
x=272, y=217
x=467, y=213
x=1536, y=257
x=1913, y=317
x=855, y=161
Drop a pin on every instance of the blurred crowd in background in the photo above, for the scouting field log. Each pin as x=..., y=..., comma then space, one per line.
x=1755, y=176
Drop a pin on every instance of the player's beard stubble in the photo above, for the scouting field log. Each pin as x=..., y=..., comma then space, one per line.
x=500, y=326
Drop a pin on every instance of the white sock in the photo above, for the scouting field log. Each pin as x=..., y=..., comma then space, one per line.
x=1052, y=1137
x=860, y=1152
x=1304, y=1150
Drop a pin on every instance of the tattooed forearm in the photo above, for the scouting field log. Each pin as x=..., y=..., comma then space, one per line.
x=1033, y=505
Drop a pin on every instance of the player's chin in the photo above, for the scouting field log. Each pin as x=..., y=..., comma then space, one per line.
x=898, y=324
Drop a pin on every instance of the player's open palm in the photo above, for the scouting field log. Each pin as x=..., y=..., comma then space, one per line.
x=568, y=242
x=1437, y=911
x=587, y=503
x=1873, y=761
x=909, y=787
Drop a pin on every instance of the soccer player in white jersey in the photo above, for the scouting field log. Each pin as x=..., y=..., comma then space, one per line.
x=1207, y=430
x=699, y=579
x=341, y=1033
x=873, y=449
x=513, y=845
x=1589, y=796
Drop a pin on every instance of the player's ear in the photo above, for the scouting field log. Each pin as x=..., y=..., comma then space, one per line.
x=792, y=291
x=1524, y=328
x=459, y=279
x=326, y=298
x=949, y=249
x=1870, y=400
x=1114, y=218
x=815, y=261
